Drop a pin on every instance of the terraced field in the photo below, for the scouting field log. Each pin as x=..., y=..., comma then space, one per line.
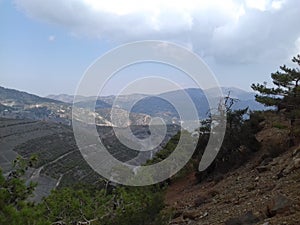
x=14, y=133
x=60, y=162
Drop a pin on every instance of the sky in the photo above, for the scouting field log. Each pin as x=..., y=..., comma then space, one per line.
x=46, y=46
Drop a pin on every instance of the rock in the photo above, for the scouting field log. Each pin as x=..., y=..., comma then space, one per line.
x=233, y=221
x=280, y=174
x=250, y=188
x=288, y=169
x=191, y=214
x=262, y=169
x=297, y=163
x=274, y=163
x=256, y=179
x=204, y=215
x=279, y=205
x=200, y=200
x=296, y=152
x=177, y=213
x=266, y=161
x=191, y=222
x=178, y=221
x=212, y=193
x=247, y=219
x=294, y=164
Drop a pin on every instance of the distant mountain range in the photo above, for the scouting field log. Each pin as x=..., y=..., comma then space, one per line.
x=159, y=106
x=15, y=104
x=58, y=108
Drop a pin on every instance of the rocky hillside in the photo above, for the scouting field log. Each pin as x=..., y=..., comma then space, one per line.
x=263, y=191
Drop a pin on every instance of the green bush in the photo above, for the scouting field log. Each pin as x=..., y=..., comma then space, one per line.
x=123, y=206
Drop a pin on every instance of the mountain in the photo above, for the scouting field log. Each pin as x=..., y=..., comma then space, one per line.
x=196, y=95
x=156, y=107
x=64, y=98
x=232, y=92
x=19, y=104
x=159, y=106
x=98, y=104
x=123, y=101
x=15, y=104
x=244, y=98
x=164, y=105
x=14, y=98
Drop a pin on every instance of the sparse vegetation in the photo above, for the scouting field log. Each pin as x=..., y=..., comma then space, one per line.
x=83, y=197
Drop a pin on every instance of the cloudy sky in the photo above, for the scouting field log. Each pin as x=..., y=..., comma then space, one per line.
x=46, y=46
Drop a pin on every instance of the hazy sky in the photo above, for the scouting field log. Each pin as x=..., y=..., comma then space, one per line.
x=46, y=46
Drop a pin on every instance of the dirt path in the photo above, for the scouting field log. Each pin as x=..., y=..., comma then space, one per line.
x=37, y=172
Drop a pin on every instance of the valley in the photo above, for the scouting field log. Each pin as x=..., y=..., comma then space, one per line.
x=33, y=125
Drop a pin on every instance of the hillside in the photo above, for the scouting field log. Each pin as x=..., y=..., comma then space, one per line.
x=16, y=104
x=11, y=97
x=65, y=98
x=263, y=191
x=60, y=162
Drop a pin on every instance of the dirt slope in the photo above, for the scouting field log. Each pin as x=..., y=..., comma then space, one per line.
x=265, y=191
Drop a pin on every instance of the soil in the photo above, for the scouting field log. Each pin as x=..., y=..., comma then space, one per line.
x=264, y=191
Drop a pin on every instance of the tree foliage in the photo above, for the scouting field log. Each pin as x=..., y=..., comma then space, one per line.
x=14, y=192
x=239, y=140
x=123, y=206
x=285, y=96
x=84, y=204
x=286, y=93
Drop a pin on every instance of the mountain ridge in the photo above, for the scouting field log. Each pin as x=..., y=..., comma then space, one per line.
x=18, y=104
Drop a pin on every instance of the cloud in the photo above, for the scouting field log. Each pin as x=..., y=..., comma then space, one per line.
x=232, y=31
x=51, y=38
x=266, y=34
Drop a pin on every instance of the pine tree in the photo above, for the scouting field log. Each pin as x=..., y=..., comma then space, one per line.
x=285, y=96
x=286, y=93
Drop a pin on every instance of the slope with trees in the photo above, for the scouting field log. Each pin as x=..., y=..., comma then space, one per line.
x=285, y=96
